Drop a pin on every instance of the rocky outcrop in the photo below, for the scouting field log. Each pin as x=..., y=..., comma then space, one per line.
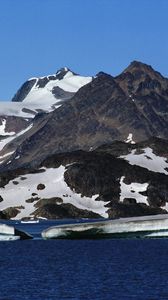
x=50, y=210
x=13, y=124
x=10, y=212
x=24, y=91
x=124, y=210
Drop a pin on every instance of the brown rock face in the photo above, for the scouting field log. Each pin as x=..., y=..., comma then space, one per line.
x=13, y=123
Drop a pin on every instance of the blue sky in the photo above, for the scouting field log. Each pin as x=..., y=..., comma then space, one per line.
x=37, y=37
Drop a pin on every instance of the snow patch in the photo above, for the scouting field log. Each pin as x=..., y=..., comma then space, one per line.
x=147, y=160
x=129, y=139
x=17, y=157
x=3, y=132
x=133, y=190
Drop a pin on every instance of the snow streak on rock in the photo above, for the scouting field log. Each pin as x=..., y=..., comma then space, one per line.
x=3, y=131
x=130, y=139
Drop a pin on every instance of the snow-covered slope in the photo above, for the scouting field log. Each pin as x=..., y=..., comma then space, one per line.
x=69, y=83
x=43, y=94
x=16, y=192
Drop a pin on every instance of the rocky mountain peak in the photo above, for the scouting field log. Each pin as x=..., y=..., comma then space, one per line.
x=135, y=66
x=141, y=79
x=62, y=72
x=102, y=74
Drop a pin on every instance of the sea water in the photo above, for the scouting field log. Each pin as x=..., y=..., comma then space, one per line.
x=83, y=269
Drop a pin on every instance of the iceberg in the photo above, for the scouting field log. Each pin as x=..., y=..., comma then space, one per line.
x=10, y=233
x=137, y=227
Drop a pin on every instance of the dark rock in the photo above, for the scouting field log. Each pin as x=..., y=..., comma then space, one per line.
x=23, y=178
x=41, y=186
x=61, y=94
x=2, y=215
x=61, y=211
x=129, y=201
x=10, y=212
x=24, y=91
x=53, y=201
x=122, y=210
x=31, y=200
x=15, y=182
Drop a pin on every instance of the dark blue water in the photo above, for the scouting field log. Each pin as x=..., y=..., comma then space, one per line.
x=84, y=269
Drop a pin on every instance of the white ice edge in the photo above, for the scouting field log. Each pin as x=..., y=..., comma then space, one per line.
x=123, y=225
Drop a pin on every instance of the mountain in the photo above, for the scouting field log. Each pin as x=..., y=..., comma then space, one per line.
x=43, y=94
x=114, y=180
x=96, y=146
x=37, y=95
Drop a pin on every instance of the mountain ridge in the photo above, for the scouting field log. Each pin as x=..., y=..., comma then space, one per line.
x=100, y=141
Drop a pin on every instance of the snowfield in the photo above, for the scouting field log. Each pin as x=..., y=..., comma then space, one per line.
x=16, y=194
x=70, y=83
x=16, y=109
x=132, y=191
x=147, y=160
x=130, y=139
x=43, y=98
